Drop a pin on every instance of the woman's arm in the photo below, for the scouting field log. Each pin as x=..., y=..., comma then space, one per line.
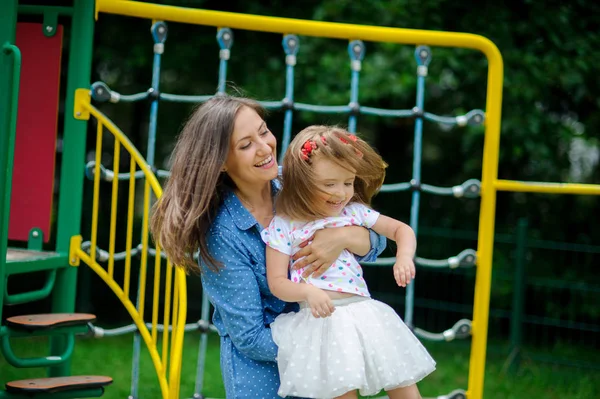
x=284, y=289
x=327, y=244
x=235, y=294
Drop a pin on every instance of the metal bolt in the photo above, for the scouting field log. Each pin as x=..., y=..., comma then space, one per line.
x=292, y=43
x=35, y=234
x=78, y=114
x=357, y=48
x=161, y=29
x=49, y=29
x=226, y=36
x=73, y=260
x=423, y=53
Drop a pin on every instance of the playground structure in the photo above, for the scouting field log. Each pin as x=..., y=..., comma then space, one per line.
x=34, y=228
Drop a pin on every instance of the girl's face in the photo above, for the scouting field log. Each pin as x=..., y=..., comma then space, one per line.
x=336, y=186
x=251, y=158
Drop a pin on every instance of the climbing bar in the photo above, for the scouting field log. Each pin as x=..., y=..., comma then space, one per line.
x=356, y=51
x=549, y=188
x=102, y=93
x=395, y=187
x=103, y=255
x=184, y=99
x=99, y=332
x=291, y=45
x=465, y=259
x=159, y=35
x=109, y=175
x=473, y=118
x=461, y=329
x=423, y=57
x=225, y=40
x=469, y=189
x=456, y=394
x=391, y=113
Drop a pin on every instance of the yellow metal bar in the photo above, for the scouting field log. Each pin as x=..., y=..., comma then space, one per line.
x=487, y=214
x=550, y=188
x=135, y=316
x=82, y=97
x=113, y=210
x=178, y=297
x=96, y=200
x=128, y=239
x=74, y=246
x=155, y=298
x=128, y=146
x=144, y=259
x=177, y=351
x=173, y=372
x=290, y=25
x=167, y=311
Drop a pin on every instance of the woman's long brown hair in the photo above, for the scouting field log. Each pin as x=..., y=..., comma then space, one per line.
x=182, y=217
x=298, y=195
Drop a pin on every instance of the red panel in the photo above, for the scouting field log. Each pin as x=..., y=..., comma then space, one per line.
x=35, y=145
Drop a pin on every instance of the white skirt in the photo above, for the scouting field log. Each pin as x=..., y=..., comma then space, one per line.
x=363, y=346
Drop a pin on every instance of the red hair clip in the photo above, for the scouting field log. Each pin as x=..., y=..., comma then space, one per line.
x=350, y=136
x=307, y=148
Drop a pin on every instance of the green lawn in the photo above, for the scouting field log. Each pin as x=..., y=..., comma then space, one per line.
x=112, y=356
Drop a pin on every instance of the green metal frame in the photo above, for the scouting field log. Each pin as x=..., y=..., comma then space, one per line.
x=61, y=278
x=9, y=94
x=72, y=171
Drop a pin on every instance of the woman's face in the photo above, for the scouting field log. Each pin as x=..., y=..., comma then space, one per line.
x=252, y=150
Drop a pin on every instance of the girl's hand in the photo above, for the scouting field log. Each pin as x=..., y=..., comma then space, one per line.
x=319, y=302
x=404, y=270
x=320, y=251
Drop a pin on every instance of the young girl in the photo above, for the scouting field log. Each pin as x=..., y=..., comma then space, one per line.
x=341, y=340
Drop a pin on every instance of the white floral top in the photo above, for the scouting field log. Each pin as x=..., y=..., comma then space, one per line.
x=345, y=275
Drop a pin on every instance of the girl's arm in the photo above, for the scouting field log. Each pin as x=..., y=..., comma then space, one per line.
x=406, y=242
x=284, y=289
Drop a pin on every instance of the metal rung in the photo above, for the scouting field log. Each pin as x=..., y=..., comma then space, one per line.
x=456, y=394
x=109, y=175
x=465, y=259
x=99, y=332
x=461, y=329
x=103, y=255
x=469, y=189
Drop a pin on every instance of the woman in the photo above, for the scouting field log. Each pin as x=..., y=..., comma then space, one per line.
x=218, y=199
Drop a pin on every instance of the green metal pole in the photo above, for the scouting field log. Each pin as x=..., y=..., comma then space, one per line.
x=72, y=168
x=8, y=26
x=518, y=305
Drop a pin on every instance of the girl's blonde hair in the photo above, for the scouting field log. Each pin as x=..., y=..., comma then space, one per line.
x=297, y=198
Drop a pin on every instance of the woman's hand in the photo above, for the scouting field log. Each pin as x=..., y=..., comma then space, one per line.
x=320, y=303
x=320, y=251
x=404, y=270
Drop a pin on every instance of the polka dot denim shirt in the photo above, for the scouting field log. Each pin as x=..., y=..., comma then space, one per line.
x=244, y=306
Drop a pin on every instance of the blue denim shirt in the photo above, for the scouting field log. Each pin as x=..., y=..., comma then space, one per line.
x=244, y=305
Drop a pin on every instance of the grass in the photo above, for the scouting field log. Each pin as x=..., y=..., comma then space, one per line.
x=112, y=356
